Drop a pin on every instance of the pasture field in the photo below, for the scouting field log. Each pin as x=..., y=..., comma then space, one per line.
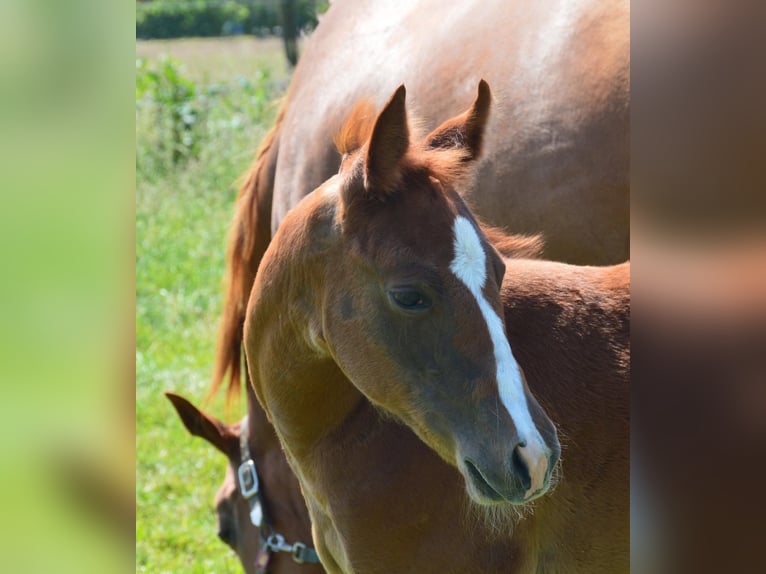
x=199, y=119
x=220, y=59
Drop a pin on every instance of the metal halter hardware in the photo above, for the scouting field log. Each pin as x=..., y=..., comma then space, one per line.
x=247, y=475
x=299, y=551
x=248, y=479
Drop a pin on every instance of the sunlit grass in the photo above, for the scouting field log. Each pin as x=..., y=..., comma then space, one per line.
x=220, y=59
x=183, y=210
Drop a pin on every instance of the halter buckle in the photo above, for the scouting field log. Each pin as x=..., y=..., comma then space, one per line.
x=248, y=479
x=277, y=543
x=299, y=552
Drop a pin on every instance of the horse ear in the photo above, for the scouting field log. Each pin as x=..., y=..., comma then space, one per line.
x=222, y=436
x=388, y=143
x=465, y=131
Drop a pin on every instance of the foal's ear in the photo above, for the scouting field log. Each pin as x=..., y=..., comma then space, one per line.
x=222, y=436
x=388, y=143
x=465, y=131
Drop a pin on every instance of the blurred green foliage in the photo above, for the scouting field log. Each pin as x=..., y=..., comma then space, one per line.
x=186, y=18
x=163, y=91
x=66, y=294
x=174, y=113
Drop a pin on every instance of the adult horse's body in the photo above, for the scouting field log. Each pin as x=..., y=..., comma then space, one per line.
x=556, y=158
x=375, y=343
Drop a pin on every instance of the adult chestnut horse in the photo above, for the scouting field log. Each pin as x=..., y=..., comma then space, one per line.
x=283, y=511
x=375, y=342
x=556, y=158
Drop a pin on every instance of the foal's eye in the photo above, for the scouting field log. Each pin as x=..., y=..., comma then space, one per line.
x=410, y=299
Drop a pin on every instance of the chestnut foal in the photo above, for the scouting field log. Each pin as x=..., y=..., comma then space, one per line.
x=376, y=343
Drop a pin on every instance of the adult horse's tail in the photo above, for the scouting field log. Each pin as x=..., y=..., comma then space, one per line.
x=248, y=239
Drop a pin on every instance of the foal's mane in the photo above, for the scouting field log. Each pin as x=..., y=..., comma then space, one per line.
x=357, y=129
x=514, y=246
x=446, y=162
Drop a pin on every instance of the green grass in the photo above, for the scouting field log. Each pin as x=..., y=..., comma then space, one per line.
x=183, y=208
x=219, y=59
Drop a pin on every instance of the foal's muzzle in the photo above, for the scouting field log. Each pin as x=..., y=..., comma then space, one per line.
x=523, y=476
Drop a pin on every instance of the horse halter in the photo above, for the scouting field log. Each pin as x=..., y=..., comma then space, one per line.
x=271, y=541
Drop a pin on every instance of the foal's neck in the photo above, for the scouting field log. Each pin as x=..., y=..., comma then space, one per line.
x=307, y=395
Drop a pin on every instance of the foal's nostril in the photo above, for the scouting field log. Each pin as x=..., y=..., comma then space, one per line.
x=520, y=468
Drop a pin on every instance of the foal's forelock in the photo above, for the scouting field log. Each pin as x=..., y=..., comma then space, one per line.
x=469, y=264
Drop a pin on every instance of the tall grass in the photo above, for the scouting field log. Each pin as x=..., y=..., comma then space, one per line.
x=193, y=140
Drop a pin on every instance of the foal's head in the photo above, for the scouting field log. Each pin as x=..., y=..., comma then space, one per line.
x=234, y=526
x=410, y=302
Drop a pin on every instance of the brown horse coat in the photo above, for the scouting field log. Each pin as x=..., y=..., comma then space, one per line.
x=556, y=159
x=385, y=489
x=556, y=156
x=397, y=507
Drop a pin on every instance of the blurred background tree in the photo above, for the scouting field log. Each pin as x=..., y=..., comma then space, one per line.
x=162, y=19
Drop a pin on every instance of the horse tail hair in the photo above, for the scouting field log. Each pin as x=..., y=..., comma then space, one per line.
x=249, y=237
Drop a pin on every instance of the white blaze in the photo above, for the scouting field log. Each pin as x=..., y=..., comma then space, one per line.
x=470, y=266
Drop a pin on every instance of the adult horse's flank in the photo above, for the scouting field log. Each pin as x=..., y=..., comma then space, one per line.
x=556, y=162
x=376, y=344
x=283, y=513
